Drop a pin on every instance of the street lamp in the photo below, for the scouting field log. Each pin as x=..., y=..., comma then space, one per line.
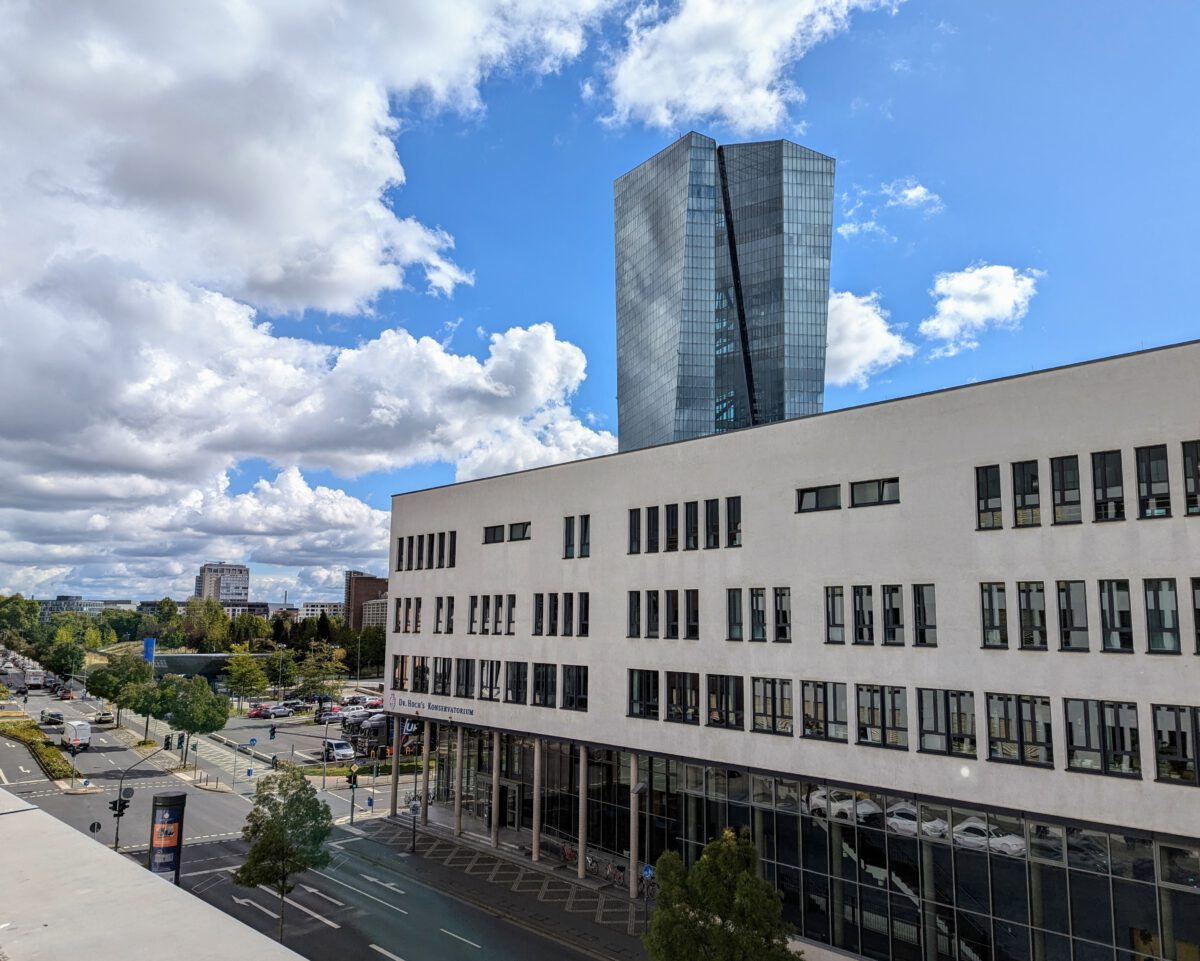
x=358, y=662
x=279, y=677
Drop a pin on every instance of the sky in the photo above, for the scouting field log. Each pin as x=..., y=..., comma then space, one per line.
x=264, y=265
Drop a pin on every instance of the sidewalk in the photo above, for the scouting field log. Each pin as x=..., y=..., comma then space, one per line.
x=591, y=916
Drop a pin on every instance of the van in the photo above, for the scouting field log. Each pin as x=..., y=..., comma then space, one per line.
x=74, y=731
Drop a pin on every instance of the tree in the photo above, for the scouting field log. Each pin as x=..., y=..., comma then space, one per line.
x=193, y=706
x=19, y=614
x=318, y=670
x=142, y=698
x=248, y=628
x=245, y=675
x=206, y=625
x=286, y=830
x=65, y=657
x=719, y=909
x=108, y=680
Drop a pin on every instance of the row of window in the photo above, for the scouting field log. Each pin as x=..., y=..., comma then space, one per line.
x=1102, y=736
x=868, y=493
x=585, y=536
x=455, y=677
x=1108, y=488
x=666, y=535
x=663, y=617
x=546, y=614
x=520, y=531
x=426, y=551
x=1116, y=618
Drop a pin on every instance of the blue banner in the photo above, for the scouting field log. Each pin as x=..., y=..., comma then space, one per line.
x=148, y=649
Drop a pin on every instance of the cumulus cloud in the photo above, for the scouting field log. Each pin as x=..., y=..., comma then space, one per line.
x=970, y=301
x=909, y=192
x=861, y=340
x=724, y=61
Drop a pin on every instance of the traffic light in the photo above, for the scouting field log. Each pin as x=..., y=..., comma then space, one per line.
x=274, y=761
x=118, y=807
x=273, y=730
x=352, y=779
x=166, y=742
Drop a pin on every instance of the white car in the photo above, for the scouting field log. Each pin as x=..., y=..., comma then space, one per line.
x=902, y=818
x=339, y=751
x=973, y=833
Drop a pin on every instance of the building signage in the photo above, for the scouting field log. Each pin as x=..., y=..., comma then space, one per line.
x=166, y=834
x=400, y=702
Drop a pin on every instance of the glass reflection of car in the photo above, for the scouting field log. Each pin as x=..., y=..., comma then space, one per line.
x=902, y=818
x=842, y=805
x=974, y=834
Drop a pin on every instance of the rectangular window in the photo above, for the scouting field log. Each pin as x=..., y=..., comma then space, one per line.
x=733, y=522
x=407, y=615
x=783, y=615
x=441, y=558
x=398, y=618
x=399, y=662
x=772, y=698
x=489, y=680
x=410, y=553
x=873, y=492
x=672, y=528
x=1019, y=729
x=726, y=706
x=1154, y=483
x=691, y=612
x=635, y=530
x=399, y=553
x=835, y=616
x=1031, y=598
x=1162, y=615
x=671, y=627
x=989, y=507
x=993, y=611
x=450, y=614
x=417, y=615
x=493, y=534
x=634, y=615
x=825, y=714
x=521, y=531
x=545, y=685
x=1064, y=477
x=568, y=614
x=643, y=694
x=442, y=668
x=733, y=614
x=683, y=697
x=651, y=530
x=539, y=614
x=1196, y=610
x=947, y=720
x=1072, y=616
x=439, y=604
x=864, y=614
x=585, y=535
x=1191, y=477
x=827, y=498
x=1176, y=733
x=552, y=614
x=1116, y=619
x=691, y=524
x=758, y=613
x=420, y=674
x=652, y=613
x=893, y=614
x=1027, y=499
x=420, y=552
x=516, y=683
x=1107, y=486
x=712, y=524
x=882, y=716
x=585, y=614
x=1102, y=736
x=485, y=616
x=453, y=547
x=464, y=677
x=575, y=687
x=568, y=537
x=497, y=604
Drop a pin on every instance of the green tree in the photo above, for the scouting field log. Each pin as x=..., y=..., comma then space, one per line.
x=65, y=657
x=193, y=706
x=92, y=638
x=245, y=674
x=318, y=671
x=720, y=909
x=206, y=625
x=125, y=624
x=286, y=830
x=19, y=614
x=143, y=698
x=107, y=680
x=248, y=628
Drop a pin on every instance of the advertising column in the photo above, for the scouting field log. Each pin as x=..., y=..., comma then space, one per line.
x=166, y=834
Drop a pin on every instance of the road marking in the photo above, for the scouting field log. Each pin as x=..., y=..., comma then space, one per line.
x=386, y=954
x=255, y=904
x=383, y=884
x=111, y=761
x=321, y=894
x=460, y=938
x=193, y=874
x=3, y=778
x=362, y=892
x=297, y=904
x=22, y=769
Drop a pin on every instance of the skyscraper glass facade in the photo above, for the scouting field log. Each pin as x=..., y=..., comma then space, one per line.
x=722, y=257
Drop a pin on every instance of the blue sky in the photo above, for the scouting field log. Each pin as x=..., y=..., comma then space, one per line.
x=1038, y=158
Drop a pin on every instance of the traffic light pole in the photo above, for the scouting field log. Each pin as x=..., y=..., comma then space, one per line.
x=120, y=786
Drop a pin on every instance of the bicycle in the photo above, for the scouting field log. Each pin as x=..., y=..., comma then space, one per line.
x=569, y=854
x=593, y=866
x=615, y=873
x=647, y=889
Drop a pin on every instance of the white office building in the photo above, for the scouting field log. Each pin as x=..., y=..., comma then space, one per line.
x=939, y=655
x=317, y=608
x=374, y=612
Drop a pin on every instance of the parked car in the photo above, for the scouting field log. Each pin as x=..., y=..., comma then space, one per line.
x=277, y=710
x=324, y=717
x=51, y=717
x=76, y=734
x=374, y=703
x=103, y=717
x=354, y=699
x=294, y=703
x=259, y=710
x=338, y=751
x=66, y=694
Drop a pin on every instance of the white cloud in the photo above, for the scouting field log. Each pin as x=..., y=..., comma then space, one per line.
x=970, y=301
x=909, y=192
x=724, y=61
x=901, y=65
x=855, y=228
x=861, y=341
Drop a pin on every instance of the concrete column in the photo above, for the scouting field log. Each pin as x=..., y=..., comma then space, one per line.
x=425, y=773
x=396, y=727
x=458, y=780
x=581, y=861
x=495, y=789
x=634, y=833
x=537, y=799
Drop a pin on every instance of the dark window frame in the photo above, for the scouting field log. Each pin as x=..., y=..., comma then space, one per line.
x=691, y=614
x=520, y=531
x=516, y=682
x=758, y=614
x=782, y=603
x=585, y=535
x=1096, y=725
x=1110, y=610
x=635, y=530
x=1067, y=509
x=924, y=615
x=887, y=491
x=643, y=693
x=489, y=679
x=1154, y=589
x=493, y=534
x=1027, y=498
x=443, y=668
x=893, y=614
x=574, y=687
x=772, y=706
x=544, y=691
x=691, y=525
x=940, y=715
x=726, y=701
x=671, y=523
x=733, y=521
x=886, y=712
x=652, y=529
x=420, y=674
x=863, y=605
x=1068, y=623
x=712, y=523
x=989, y=502
x=1191, y=478
x=670, y=624
x=1154, y=481
x=464, y=677
x=810, y=500
x=993, y=615
x=683, y=697
x=569, y=538
x=1029, y=631
x=825, y=709
x=1175, y=750
x=835, y=614
x=633, y=614
x=1020, y=721
x=734, y=612
x=1108, y=487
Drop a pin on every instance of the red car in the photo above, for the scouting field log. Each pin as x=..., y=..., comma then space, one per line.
x=259, y=710
x=66, y=694
x=375, y=702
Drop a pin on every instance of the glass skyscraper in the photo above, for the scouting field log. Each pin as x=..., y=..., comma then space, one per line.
x=722, y=257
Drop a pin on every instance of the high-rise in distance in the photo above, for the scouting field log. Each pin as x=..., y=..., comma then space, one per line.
x=722, y=278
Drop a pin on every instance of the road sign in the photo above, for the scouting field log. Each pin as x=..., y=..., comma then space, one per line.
x=94, y=827
x=648, y=871
x=249, y=772
x=127, y=793
x=353, y=768
x=75, y=741
x=370, y=801
x=253, y=741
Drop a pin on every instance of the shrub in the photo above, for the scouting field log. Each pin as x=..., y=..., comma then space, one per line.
x=49, y=757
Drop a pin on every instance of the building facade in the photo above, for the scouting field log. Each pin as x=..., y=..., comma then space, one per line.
x=722, y=279
x=227, y=583
x=374, y=612
x=68, y=604
x=317, y=608
x=359, y=588
x=939, y=655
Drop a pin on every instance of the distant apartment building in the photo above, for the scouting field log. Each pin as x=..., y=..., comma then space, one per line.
x=68, y=604
x=123, y=605
x=361, y=587
x=317, y=608
x=374, y=612
x=257, y=608
x=228, y=583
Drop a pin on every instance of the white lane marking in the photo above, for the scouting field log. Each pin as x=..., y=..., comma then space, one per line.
x=297, y=904
x=383, y=884
x=111, y=761
x=3, y=777
x=255, y=904
x=192, y=874
x=321, y=894
x=460, y=938
x=9, y=744
x=22, y=769
x=386, y=954
x=387, y=904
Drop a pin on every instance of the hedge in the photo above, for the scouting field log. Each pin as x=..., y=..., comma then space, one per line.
x=49, y=757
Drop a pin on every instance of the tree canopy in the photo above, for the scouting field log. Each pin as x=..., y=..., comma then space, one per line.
x=245, y=675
